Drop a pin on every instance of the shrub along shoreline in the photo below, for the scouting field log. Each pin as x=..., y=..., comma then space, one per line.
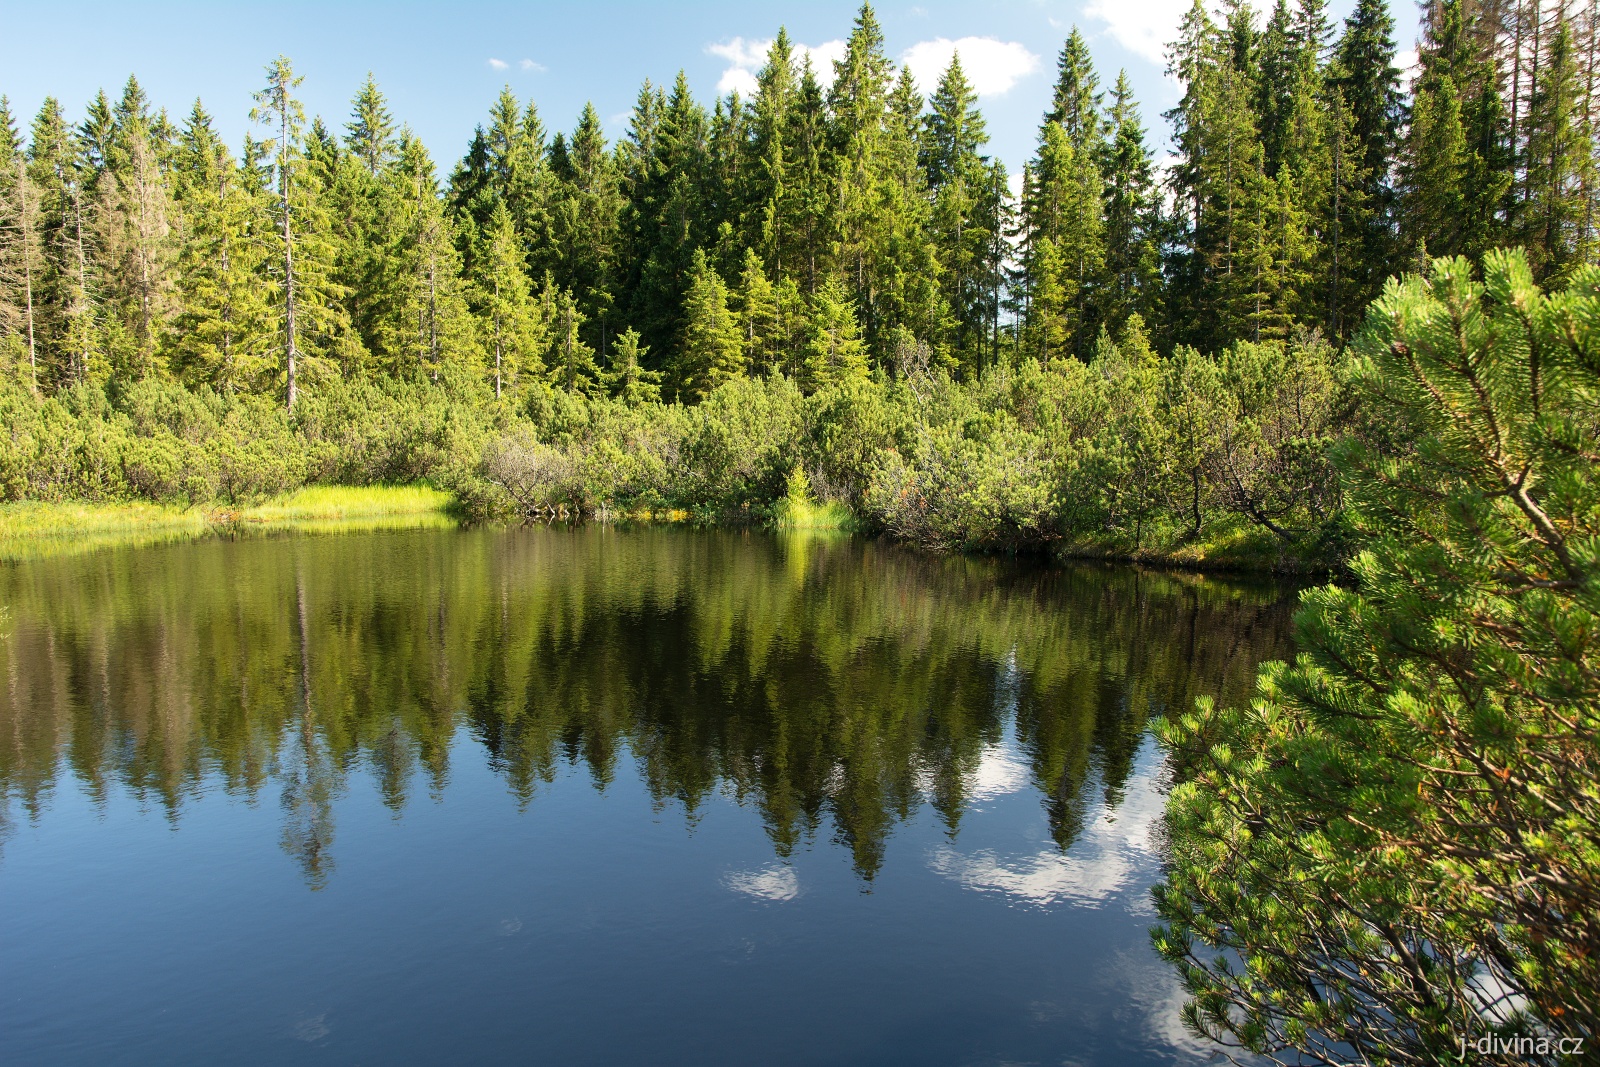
x=1193, y=460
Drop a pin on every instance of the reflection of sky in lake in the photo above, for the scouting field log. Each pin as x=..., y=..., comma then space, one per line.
x=1114, y=854
x=1001, y=770
x=774, y=883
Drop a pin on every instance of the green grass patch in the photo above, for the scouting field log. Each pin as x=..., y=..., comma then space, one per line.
x=1227, y=546
x=804, y=514
x=29, y=530
x=32, y=530
x=337, y=503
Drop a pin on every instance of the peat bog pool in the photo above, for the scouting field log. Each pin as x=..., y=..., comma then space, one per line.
x=593, y=796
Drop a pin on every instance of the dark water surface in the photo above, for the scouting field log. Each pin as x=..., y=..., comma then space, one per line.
x=592, y=796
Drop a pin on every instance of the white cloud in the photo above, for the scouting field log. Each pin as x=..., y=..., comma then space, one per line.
x=528, y=64
x=746, y=57
x=1107, y=860
x=773, y=883
x=999, y=771
x=737, y=78
x=1409, y=64
x=498, y=64
x=823, y=57
x=992, y=66
x=1143, y=27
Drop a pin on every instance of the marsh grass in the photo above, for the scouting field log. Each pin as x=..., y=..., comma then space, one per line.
x=803, y=514
x=1226, y=546
x=35, y=530
x=341, y=503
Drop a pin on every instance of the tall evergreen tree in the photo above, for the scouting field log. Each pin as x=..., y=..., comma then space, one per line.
x=768, y=201
x=585, y=211
x=370, y=134
x=1063, y=249
x=1559, y=162
x=223, y=333
x=906, y=266
x=808, y=207
x=963, y=218
x=666, y=218
x=306, y=293
x=429, y=324
x=757, y=310
x=134, y=220
x=21, y=245
x=1132, y=215
x=834, y=351
x=1076, y=103
x=57, y=164
x=511, y=327
x=711, y=350
x=628, y=379
x=1367, y=86
x=859, y=104
x=571, y=362
x=1457, y=163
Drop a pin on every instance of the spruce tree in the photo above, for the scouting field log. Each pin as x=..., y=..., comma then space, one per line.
x=222, y=337
x=769, y=184
x=1064, y=253
x=963, y=220
x=1368, y=85
x=279, y=109
x=628, y=380
x=585, y=210
x=834, y=351
x=312, y=323
x=1063, y=215
x=370, y=134
x=429, y=325
x=756, y=308
x=809, y=207
x=1558, y=160
x=859, y=106
x=1277, y=72
x=1457, y=164
x=1132, y=215
x=21, y=245
x=511, y=327
x=1076, y=103
x=132, y=219
x=666, y=220
x=57, y=164
x=711, y=350
x=906, y=267
x=570, y=361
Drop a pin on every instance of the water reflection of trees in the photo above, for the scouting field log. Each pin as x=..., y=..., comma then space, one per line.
x=833, y=686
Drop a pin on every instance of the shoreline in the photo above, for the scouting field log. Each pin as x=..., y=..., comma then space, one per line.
x=31, y=530
x=35, y=529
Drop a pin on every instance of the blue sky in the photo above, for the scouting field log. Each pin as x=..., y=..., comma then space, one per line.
x=442, y=64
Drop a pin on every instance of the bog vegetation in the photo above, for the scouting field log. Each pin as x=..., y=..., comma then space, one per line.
x=830, y=274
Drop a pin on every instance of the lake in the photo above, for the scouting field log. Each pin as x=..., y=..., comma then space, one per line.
x=593, y=796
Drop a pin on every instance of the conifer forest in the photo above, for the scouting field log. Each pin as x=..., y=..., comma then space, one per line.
x=1325, y=315
x=840, y=278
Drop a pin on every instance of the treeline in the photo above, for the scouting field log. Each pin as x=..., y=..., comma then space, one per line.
x=808, y=230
